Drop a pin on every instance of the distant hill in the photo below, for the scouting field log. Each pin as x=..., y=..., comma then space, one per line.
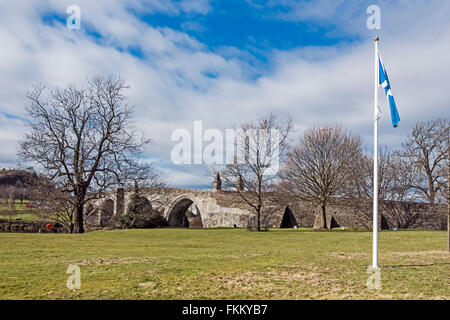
x=12, y=177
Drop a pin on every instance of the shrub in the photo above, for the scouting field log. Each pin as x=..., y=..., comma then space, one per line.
x=140, y=214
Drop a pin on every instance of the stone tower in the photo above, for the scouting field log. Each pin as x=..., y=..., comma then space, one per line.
x=217, y=185
x=240, y=183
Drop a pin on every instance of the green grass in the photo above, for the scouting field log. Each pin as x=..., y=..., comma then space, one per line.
x=23, y=216
x=19, y=210
x=223, y=264
x=29, y=215
x=16, y=205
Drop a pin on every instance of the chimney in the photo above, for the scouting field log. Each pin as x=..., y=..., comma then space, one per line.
x=217, y=185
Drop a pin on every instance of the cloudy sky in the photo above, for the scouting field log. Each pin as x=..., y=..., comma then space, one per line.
x=227, y=61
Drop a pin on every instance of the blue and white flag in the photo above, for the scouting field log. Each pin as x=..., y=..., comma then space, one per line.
x=384, y=82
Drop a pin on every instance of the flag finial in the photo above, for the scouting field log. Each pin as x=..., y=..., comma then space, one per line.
x=376, y=39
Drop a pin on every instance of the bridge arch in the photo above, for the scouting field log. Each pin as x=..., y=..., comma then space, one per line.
x=91, y=215
x=288, y=220
x=184, y=213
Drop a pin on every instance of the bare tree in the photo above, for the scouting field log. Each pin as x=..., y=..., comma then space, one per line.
x=320, y=165
x=361, y=179
x=261, y=147
x=426, y=151
x=56, y=205
x=448, y=204
x=399, y=194
x=3, y=193
x=82, y=139
x=445, y=171
x=142, y=175
x=394, y=187
x=21, y=191
x=360, y=183
x=11, y=192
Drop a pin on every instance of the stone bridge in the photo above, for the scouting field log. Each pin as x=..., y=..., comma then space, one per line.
x=180, y=207
x=225, y=208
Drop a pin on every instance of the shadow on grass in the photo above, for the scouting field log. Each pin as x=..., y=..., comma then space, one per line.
x=415, y=265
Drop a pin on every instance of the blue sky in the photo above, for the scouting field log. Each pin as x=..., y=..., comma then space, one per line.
x=251, y=27
x=238, y=24
x=224, y=62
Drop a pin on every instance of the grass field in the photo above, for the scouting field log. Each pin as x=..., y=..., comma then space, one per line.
x=23, y=215
x=18, y=210
x=223, y=264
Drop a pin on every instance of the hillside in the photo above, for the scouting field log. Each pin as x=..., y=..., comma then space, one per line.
x=12, y=177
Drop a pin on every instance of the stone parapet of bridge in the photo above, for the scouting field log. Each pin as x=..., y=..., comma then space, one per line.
x=225, y=208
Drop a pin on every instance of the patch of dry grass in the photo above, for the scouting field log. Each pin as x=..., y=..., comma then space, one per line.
x=223, y=264
x=105, y=261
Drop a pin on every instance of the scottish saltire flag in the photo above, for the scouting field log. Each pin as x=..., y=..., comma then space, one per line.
x=384, y=82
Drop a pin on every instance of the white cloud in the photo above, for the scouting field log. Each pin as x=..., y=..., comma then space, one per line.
x=11, y=131
x=180, y=80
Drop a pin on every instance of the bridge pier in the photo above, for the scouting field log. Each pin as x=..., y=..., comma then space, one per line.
x=119, y=208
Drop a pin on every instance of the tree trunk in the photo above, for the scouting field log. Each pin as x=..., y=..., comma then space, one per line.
x=448, y=196
x=258, y=218
x=432, y=196
x=448, y=208
x=79, y=226
x=448, y=227
x=259, y=203
x=324, y=216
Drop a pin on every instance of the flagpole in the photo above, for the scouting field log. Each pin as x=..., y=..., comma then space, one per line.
x=375, y=164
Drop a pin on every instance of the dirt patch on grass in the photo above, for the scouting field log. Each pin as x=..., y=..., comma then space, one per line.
x=246, y=255
x=146, y=285
x=410, y=254
x=432, y=253
x=421, y=258
x=350, y=255
x=276, y=283
x=107, y=261
x=264, y=277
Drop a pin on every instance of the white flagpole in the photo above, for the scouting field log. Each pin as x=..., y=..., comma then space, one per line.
x=375, y=164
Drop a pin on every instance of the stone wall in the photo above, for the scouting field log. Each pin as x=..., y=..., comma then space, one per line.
x=30, y=226
x=222, y=208
x=346, y=212
x=357, y=213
